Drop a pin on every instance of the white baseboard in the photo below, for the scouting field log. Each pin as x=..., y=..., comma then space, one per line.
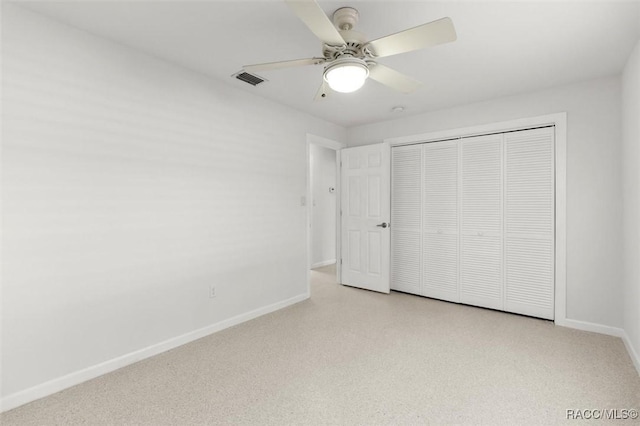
x=75, y=378
x=590, y=326
x=604, y=329
x=635, y=355
x=323, y=263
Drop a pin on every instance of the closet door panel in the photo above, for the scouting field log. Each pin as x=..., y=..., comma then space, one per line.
x=481, y=281
x=440, y=221
x=406, y=222
x=481, y=224
x=482, y=185
x=529, y=202
x=530, y=277
x=440, y=277
x=441, y=187
x=529, y=222
x=405, y=261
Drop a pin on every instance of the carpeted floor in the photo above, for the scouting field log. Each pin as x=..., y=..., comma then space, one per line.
x=349, y=356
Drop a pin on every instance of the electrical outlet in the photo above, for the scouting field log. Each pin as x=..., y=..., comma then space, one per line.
x=212, y=292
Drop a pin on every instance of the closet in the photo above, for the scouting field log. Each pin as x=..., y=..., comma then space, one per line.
x=473, y=220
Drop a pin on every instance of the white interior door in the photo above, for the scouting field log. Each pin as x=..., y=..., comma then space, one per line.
x=366, y=212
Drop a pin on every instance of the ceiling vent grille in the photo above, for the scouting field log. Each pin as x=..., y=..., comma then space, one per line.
x=252, y=79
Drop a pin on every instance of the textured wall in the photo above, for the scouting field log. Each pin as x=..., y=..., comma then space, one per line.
x=130, y=186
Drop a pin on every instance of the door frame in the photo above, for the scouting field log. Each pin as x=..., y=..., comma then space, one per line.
x=559, y=120
x=336, y=146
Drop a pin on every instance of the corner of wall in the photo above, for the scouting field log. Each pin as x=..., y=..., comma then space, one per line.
x=631, y=202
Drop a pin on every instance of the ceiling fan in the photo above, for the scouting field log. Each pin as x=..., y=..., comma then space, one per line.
x=348, y=57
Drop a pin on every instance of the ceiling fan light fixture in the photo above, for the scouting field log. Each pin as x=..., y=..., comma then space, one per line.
x=346, y=75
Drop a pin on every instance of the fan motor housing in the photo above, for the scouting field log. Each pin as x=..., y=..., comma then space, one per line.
x=354, y=42
x=345, y=19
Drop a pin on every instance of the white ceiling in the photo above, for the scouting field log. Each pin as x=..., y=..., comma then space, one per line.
x=503, y=47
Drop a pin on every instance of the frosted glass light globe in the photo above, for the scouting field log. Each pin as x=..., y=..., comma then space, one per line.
x=346, y=75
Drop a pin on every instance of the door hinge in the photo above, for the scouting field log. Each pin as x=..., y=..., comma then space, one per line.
x=341, y=261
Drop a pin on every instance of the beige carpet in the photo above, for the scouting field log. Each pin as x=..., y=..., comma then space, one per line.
x=349, y=356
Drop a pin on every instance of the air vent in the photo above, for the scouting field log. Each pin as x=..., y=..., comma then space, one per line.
x=252, y=79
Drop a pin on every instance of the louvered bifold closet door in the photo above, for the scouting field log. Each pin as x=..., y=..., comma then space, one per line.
x=481, y=261
x=440, y=221
x=529, y=222
x=406, y=199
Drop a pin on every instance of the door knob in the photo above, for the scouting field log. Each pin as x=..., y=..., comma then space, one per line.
x=383, y=225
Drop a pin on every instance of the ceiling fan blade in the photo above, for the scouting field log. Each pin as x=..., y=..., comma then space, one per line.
x=317, y=21
x=426, y=35
x=323, y=91
x=282, y=64
x=394, y=79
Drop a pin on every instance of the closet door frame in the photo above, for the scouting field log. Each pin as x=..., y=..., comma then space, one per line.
x=559, y=120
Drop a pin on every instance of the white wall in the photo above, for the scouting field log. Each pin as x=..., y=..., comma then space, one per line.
x=594, y=207
x=130, y=186
x=323, y=213
x=631, y=198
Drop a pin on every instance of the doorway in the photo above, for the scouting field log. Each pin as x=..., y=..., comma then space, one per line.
x=323, y=206
x=323, y=202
